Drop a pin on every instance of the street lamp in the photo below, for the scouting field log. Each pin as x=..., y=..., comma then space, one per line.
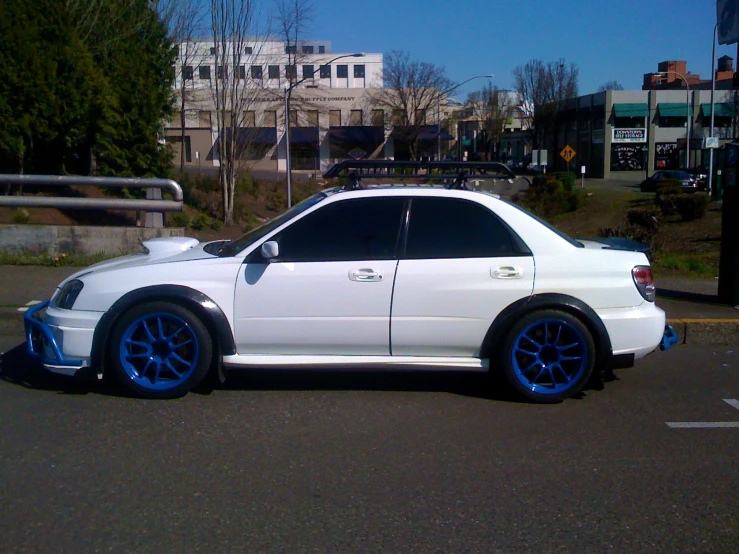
x=288, y=90
x=687, y=105
x=438, y=109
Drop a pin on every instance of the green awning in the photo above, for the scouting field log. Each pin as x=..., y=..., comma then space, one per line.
x=631, y=110
x=722, y=110
x=672, y=109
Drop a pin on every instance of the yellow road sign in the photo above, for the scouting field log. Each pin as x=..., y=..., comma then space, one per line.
x=567, y=153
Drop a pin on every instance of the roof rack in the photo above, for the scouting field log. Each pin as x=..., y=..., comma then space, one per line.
x=457, y=172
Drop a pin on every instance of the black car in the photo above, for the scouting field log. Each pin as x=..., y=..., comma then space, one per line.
x=688, y=183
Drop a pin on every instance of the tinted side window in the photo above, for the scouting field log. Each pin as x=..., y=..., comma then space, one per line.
x=451, y=228
x=360, y=229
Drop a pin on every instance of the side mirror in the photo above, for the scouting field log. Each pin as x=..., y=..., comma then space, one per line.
x=270, y=250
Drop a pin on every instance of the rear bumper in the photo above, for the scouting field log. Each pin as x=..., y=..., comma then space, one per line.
x=638, y=330
x=62, y=339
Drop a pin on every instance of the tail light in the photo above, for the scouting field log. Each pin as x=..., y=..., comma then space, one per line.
x=644, y=282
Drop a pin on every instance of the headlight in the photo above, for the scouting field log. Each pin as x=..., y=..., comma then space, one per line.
x=69, y=293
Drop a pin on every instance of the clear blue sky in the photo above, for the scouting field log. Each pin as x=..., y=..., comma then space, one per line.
x=608, y=39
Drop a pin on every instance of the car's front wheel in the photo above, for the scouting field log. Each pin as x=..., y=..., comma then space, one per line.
x=548, y=356
x=160, y=350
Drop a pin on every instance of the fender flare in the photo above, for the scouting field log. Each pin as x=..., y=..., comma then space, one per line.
x=550, y=301
x=200, y=304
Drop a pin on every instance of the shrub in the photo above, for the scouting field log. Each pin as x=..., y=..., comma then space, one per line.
x=666, y=192
x=201, y=222
x=692, y=206
x=628, y=231
x=547, y=197
x=568, y=179
x=21, y=216
x=647, y=218
x=179, y=220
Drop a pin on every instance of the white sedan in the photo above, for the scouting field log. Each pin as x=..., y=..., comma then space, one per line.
x=382, y=277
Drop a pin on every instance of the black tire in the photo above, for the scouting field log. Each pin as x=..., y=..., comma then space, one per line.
x=548, y=356
x=160, y=350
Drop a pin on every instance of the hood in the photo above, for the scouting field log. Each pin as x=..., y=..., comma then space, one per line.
x=159, y=250
x=615, y=243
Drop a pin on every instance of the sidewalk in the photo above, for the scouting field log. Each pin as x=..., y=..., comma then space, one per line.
x=691, y=305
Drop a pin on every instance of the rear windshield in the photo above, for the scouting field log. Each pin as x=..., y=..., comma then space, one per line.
x=554, y=230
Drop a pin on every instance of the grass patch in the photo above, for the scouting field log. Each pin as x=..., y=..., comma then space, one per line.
x=59, y=260
x=684, y=265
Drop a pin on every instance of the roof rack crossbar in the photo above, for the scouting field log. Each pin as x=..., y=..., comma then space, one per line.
x=379, y=169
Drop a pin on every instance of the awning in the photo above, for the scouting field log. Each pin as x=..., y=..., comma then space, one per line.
x=256, y=135
x=424, y=133
x=672, y=109
x=304, y=135
x=356, y=134
x=722, y=110
x=631, y=110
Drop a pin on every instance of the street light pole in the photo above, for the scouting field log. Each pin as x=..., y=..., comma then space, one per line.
x=288, y=90
x=687, y=105
x=713, y=90
x=438, y=109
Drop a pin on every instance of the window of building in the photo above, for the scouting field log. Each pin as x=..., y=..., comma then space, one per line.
x=359, y=71
x=321, y=49
x=269, y=119
x=221, y=72
x=291, y=72
x=361, y=229
x=671, y=121
x=293, y=118
x=250, y=119
x=355, y=117
x=420, y=117
x=311, y=118
x=342, y=71
x=636, y=122
x=378, y=118
x=334, y=118
x=273, y=71
x=213, y=51
x=307, y=49
x=467, y=230
x=203, y=119
x=187, y=73
x=325, y=72
x=291, y=49
x=242, y=72
x=307, y=71
x=256, y=72
x=204, y=72
x=248, y=50
x=398, y=117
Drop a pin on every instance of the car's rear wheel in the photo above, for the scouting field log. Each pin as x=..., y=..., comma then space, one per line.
x=160, y=350
x=548, y=356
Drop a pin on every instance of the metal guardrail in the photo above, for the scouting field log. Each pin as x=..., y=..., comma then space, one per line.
x=174, y=205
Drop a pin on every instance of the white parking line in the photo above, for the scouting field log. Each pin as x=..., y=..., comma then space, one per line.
x=28, y=305
x=707, y=424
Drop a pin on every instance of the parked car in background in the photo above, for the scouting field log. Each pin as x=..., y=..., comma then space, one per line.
x=688, y=183
x=700, y=174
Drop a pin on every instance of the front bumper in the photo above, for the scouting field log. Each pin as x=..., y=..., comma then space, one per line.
x=50, y=342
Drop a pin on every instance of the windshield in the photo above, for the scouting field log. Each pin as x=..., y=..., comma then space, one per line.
x=234, y=247
x=559, y=233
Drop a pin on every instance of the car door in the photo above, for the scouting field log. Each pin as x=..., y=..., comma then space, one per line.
x=461, y=267
x=329, y=290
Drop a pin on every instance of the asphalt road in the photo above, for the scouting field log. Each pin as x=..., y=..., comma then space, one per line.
x=414, y=462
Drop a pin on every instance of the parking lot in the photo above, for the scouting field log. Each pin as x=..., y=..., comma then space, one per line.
x=416, y=462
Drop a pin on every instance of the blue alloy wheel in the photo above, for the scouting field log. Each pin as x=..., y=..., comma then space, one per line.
x=549, y=356
x=160, y=350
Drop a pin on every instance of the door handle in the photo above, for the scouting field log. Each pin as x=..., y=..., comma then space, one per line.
x=506, y=272
x=365, y=275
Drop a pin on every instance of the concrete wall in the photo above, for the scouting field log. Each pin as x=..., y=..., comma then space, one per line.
x=58, y=239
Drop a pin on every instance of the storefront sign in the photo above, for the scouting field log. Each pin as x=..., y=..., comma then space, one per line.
x=629, y=135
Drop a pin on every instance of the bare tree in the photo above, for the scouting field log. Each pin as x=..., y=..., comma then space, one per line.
x=494, y=108
x=542, y=88
x=411, y=92
x=185, y=20
x=610, y=85
x=233, y=26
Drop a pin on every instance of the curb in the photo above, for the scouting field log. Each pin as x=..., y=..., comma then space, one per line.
x=706, y=332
